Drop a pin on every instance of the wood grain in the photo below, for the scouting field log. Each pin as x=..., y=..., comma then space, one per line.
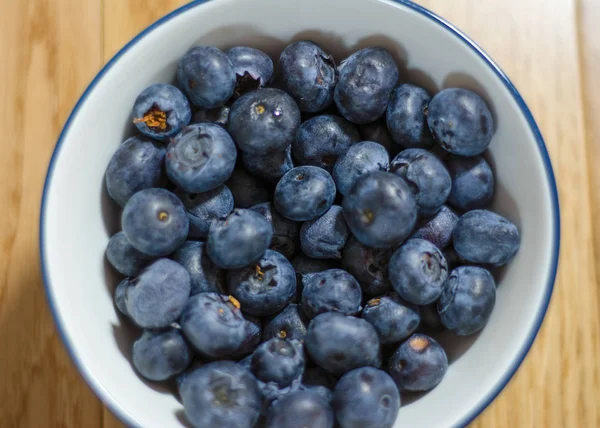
x=551, y=51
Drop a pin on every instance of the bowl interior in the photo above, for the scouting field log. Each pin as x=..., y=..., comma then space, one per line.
x=78, y=218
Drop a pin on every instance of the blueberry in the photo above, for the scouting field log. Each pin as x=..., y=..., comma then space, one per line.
x=309, y=75
x=221, y=394
x=238, y=239
x=253, y=68
x=340, y=343
x=406, y=117
x=159, y=355
x=482, y=236
x=201, y=157
x=322, y=139
x=300, y=409
x=203, y=208
x=427, y=177
x=324, y=392
x=380, y=210
x=324, y=237
x=369, y=266
x=219, y=115
x=161, y=111
x=393, y=318
x=366, y=80
x=272, y=392
x=254, y=338
x=265, y=287
x=472, y=182
x=121, y=295
x=468, y=300
x=366, y=397
x=159, y=294
x=377, y=131
x=264, y=121
x=124, y=257
x=290, y=324
x=155, y=222
x=215, y=326
x=285, y=232
x=460, y=121
x=304, y=266
x=247, y=190
x=278, y=360
x=207, y=76
x=331, y=290
x=419, y=364
x=360, y=159
x=136, y=165
x=205, y=275
x=304, y=193
x=418, y=271
x=438, y=229
x=270, y=167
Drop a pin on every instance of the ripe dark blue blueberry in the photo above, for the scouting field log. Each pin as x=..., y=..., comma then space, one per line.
x=239, y=239
x=438, y=229
x=221, y=394
x=380, y=210
x=304, y=193
x=369, y=266
x=427, y=177
x=340, y=343
x=366, y=80
x=264, y=121
x=418, y=271
x=207, y=76
x=253, y=68
x=215, y=326
x=460, y=121
x=161, y=111
x=278, y=360
x=324, y=237
x=472, y=182
x=304, y=266
x=204, y=274
x=322, y=139
x=159, y=355
x=270, y=167
x=159, y=294
x=290, y=324
x=366, y=397
x=309, y=75
x=201, y=157
x=419, y=364
x=285, y=231
x=203, y=208
x=247, y=190
x=333, y=290
x=361, y=158
x=155, y=222
x=219, y=115
x=300, y=409
x=406, y=118
x=265, y=287
x=468, y=299
x=124, y=257
x=121, y=295
x=136, y=165
x=393, y=318
x=485, y=237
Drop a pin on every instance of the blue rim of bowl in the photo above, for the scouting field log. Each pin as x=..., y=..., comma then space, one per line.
x=105, y=396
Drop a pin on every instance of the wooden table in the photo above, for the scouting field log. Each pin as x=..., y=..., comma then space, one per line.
x=53, y=48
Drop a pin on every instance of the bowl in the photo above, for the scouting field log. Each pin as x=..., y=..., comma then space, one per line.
x=77, y=218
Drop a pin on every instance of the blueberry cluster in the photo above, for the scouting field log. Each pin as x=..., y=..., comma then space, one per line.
x=291, y=242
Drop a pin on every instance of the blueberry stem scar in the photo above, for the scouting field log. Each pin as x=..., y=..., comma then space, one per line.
x=154, y=118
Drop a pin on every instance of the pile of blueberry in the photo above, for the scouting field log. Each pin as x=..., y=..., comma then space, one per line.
x=290, y=247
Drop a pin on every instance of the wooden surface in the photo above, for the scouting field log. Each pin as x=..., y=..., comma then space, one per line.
x=53, y=48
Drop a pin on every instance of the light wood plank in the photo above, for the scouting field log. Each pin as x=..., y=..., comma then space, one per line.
x=49, y=58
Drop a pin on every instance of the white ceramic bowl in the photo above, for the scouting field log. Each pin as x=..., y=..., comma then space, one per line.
x=77, y=219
